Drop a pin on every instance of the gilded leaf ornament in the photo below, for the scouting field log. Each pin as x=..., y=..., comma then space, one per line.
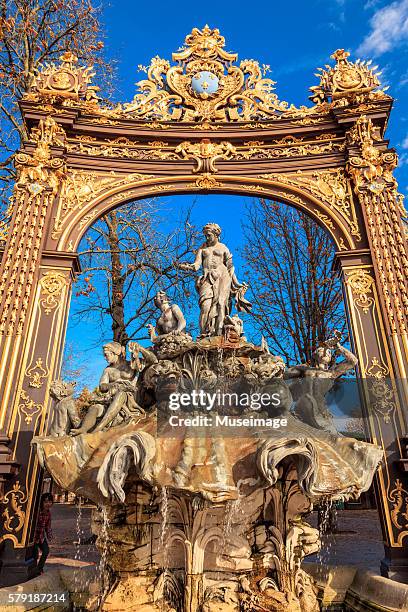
x=206, y=153
x=52, y=284
x=64, y=81
x=37, y=374
x=347, y=82
x=329, y=186
x=13, y=514
x=81, y=187
x=206, y=85
x=398, y=496
x=361, y=283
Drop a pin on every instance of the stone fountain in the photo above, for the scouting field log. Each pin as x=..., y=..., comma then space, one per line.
x=201, y=506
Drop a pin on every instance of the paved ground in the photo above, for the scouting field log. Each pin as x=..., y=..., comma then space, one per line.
x=357, y=543
x=71, y=529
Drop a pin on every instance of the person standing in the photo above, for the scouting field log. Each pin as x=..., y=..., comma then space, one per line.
x=43, y=531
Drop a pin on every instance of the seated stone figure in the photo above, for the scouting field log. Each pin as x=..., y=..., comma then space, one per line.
x=115, y=402
x=65, y=414
x=318, y=378
x=170, y=321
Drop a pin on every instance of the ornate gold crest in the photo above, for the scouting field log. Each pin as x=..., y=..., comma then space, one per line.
x=346, y=81
x=205, y=85
x=68, y=80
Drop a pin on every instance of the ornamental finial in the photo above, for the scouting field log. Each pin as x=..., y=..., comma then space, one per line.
x=347, y=82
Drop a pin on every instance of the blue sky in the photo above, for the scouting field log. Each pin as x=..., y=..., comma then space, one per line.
x=294, y=38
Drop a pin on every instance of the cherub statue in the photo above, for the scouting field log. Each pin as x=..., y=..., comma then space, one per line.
x=115, y=401
x=171, y=319
x=65, y=414
x=319, y=378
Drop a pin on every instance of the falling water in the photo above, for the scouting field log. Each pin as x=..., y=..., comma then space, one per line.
x=164, y=511
x=232, y=516
x=103, y=566
x=164, y=508
x=77, y=542
x=327, y=520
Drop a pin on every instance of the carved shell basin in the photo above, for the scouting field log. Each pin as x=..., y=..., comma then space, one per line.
x=100, y=465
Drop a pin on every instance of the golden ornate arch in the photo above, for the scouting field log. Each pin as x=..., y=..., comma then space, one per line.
x=307, y=192
x=202, y=124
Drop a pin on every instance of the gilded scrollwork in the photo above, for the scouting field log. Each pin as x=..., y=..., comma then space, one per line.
x=398, y=496
x=41, y=166
x=329, y=186
x=377, y=370
x=206, y=85
x=120, y=149
x=371, y=171
x=28, y=407
x=40, y=174
x=52, y=285
x=382, y=398
x=159, y=150
x=14, y=515
x=81, y=187
x=206, y=153
x=361, y=283
x=207, y=181
x=36, y=374
x=66, y=81
x=299, y=150
x=348, y=82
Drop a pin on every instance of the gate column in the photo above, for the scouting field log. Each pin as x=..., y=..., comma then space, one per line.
x=376, y=285
x=34, y=293
x=382, y=398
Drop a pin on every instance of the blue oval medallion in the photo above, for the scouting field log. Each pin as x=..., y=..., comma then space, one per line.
x=204, y=82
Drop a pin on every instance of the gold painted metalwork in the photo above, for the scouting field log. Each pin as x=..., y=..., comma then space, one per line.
x=39, y=178
x=52, y=284
x=301, y=150
x=382, y=396
x=127, y=149
x=120, y=149
x=81, y=187
x=398, y=496
x=14, y=515
x=37, y=374
x=377, y=369
x=347, y=82
x=329, y=186
x=64, y=81
x=206, y=153
x=376, y=188
x=361, y=283
x=207, y=181
x=42, y=166
x=205, y=85
x=28, y=407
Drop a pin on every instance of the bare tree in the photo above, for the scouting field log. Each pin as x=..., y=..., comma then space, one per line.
x=297, y=298
x=125, y=261
x=32, y=33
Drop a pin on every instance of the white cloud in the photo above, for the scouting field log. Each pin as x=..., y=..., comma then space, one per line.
x=404, y=143
x=402, y=160
x=389, y=28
